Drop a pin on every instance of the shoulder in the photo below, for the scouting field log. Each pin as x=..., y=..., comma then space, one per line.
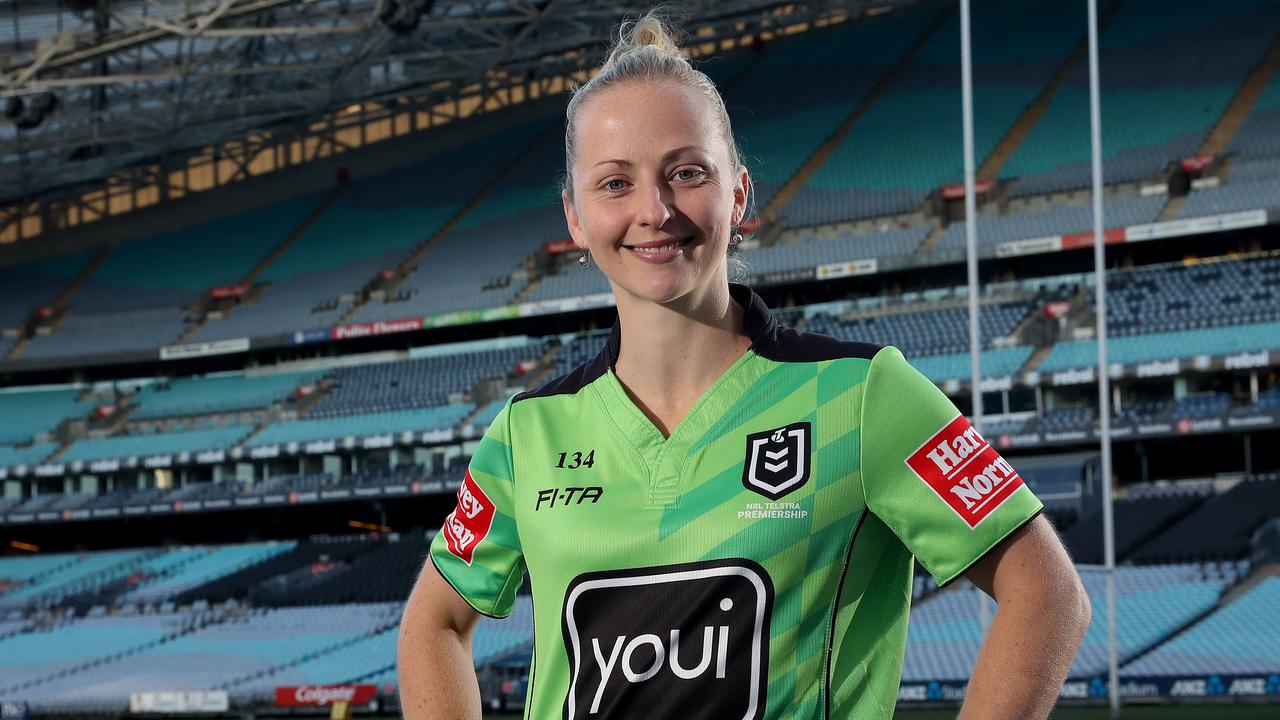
x=785, y=344
x=567, y=384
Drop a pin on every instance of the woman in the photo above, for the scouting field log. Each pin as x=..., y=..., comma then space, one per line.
x=718, y=515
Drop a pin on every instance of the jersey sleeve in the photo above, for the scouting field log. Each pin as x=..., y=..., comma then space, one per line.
x=478, y=549
x=942, y=489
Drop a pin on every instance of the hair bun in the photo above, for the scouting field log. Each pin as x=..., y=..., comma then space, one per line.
x=650, y=31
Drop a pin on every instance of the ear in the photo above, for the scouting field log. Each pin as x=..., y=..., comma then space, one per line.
x=741, y=193
x=571, y=219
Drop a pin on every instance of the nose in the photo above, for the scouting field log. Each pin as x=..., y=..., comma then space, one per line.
x=655, y=207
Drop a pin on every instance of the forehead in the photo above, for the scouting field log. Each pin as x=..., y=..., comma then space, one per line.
x=639, y=119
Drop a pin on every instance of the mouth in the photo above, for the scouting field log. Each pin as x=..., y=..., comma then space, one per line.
x=660, y=250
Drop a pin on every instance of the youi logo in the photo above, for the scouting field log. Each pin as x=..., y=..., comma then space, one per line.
x=688, y=641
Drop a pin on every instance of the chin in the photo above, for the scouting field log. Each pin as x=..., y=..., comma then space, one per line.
x=662, y=288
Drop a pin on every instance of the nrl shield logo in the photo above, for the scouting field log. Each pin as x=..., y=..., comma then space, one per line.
x=777, y=460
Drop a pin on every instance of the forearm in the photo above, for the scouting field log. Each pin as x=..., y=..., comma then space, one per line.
x=437, y=678
x=1026, y=656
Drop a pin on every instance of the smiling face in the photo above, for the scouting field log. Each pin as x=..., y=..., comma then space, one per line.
x=655, y=189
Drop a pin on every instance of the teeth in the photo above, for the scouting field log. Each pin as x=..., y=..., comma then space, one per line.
x=655, y=250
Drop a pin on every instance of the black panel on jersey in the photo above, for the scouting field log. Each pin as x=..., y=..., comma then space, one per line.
x=768, y=340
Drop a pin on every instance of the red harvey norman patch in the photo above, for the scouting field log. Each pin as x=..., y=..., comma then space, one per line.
x=470, y=521
x=965, y=471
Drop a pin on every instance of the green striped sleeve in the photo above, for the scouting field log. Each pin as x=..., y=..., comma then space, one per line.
x=939, y=486
x=478, y=549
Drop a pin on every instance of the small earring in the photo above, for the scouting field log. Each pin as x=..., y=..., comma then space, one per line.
x=585, y=260
x=736, y=240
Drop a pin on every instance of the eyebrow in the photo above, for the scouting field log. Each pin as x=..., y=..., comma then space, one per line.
x=666, y=156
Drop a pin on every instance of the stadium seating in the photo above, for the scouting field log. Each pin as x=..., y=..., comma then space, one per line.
x=336, y=428
x=88, y=570
x=26, y=658
x=1052, y=218
x=25, y=414
x=313, y=282
x=925, y=332
x=25, y=455
x=1239, y=638
x=810, y=248
x=909, y=143
x=1151, y=602
x=794, y=76
x=1181, y=297
x=93, y=334
x=421, y=382
x=1147, y=121
x=236, y=648
x=124, y=446
x=1136, y=521
x=570, y=281
x=1220, y=528
x=35, y=284
x=1250, y=186
x=200, y=396
x=1164, y=345
x=216, y=562
x=173, y=269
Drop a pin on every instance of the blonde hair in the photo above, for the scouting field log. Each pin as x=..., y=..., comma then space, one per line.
x=646, y=49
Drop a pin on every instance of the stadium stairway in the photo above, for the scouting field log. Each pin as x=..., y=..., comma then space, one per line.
x=990, y=168
x=201, y=620
x=60, y=303
x=329, y=650
x=1022, y=127
x=1230, y=594
x=1255, y=578
x=415, y=256
x=794, y=184
x=1232, y=118
x=270, y=257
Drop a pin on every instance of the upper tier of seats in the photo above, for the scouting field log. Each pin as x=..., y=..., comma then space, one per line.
x=36, y=284
x=172, y=269
x=502, y=168
x=790, y=88
x=909, y=142
x=1148, y=120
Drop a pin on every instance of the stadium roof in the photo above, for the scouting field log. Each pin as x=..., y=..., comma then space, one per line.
x=89, y=87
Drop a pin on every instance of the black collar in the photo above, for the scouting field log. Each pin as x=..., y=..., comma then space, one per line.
x=757, y=323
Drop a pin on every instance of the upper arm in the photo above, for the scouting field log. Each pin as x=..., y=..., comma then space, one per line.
x=1030, y=562
x=434, y=604
x=940, y=487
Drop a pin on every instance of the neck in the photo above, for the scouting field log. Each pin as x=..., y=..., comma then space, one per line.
x=678, y=349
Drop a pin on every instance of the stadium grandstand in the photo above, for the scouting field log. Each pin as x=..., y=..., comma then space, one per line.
x=257, y=311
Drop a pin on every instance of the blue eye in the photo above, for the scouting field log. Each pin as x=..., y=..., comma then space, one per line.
x=615, y=185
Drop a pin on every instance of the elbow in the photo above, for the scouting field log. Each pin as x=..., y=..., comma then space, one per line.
x=1084, y=612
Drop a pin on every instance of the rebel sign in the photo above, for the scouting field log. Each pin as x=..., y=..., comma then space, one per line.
x=966, y=472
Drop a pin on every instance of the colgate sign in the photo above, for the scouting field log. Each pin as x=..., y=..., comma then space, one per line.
x=315, y=695
x=966, y=472
x=470, y=521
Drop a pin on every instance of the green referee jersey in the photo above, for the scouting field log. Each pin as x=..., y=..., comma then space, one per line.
x=756, y=563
